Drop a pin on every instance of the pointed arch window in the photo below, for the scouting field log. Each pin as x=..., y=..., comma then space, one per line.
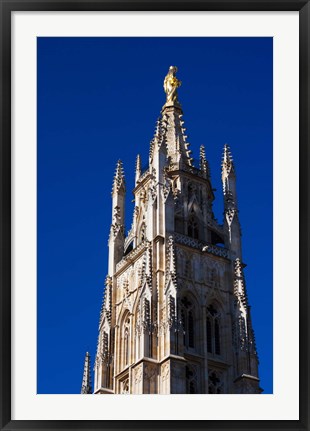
x=213, y=331
x=126, y=341
x=179, y=225
x=138, y=334
x=190, y=190
x=215, y=383
x=191, y=380
x=209, y=335
x=142, y=232
x=193, y=226
x=188, y=322
x=147, y=328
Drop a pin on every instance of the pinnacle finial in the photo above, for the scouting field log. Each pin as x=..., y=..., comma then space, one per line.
x=227, y=158
x=138, y=168
x=227, y=163
x=119, y=177
x=86, y=382
x=138, y=163
x=204, y=165
x=171, y=84
x=229, y=182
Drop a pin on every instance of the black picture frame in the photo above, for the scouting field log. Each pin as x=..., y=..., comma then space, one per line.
x=9, y=6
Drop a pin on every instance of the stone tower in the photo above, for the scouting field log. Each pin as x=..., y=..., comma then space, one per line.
x=175, y=316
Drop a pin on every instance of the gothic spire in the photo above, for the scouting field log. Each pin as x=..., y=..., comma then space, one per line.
x=169, y=129
x=119, y=178
x=86, y=382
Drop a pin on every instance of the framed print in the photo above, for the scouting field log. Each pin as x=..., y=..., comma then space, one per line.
x=198, y=278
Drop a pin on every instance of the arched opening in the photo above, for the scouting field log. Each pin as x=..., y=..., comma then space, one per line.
x=147, y=328
x=190, y=191
x=129, y=248
x=138, y=333
x=215, y=383
x=142, y=235
x=213, y=330
x=191, y=380
x=188, y=322
x=216, y=239
x=178, y=224
x=209, y=335
x=125, y=340
x=193, y=226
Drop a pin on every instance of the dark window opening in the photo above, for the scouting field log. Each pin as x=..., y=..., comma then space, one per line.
x=215, y=384
x=184, y=326
x=179, y=226
x=217, y=337
x=212, y=310
x=193, y=228
x=213, y=331
x=190, y=191
x=209, y=335
x=190, y=329
x=216, y=239
x=192, y=389
x=191, y=384
x=188, y=322
x=129, y=248
x=142, y=234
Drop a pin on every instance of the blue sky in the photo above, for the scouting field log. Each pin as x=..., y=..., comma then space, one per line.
x=98, y=101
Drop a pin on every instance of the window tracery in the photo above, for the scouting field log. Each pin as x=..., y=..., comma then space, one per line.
x=192, y=226
x=126, y=339
x=191, y=379
x=215, y=383
x=213, y=331
x=188, y=322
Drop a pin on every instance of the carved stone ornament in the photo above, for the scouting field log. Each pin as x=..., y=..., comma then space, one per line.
x=165, y=371
x=125, y=386
x=138, y=374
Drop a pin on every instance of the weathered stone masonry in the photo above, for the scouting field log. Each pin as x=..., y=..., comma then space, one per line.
x=175, y=316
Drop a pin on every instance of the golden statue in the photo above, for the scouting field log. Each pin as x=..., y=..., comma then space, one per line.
x=171, y=84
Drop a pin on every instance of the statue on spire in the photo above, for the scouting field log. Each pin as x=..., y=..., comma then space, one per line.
x=171, y=84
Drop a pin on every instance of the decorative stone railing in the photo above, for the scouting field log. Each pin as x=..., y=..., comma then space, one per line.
x=218, y=251
x=186, y=168
x=130, y=236
x=144, y=174
x=187, y=240
x=201, y=245
x=131, y=256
